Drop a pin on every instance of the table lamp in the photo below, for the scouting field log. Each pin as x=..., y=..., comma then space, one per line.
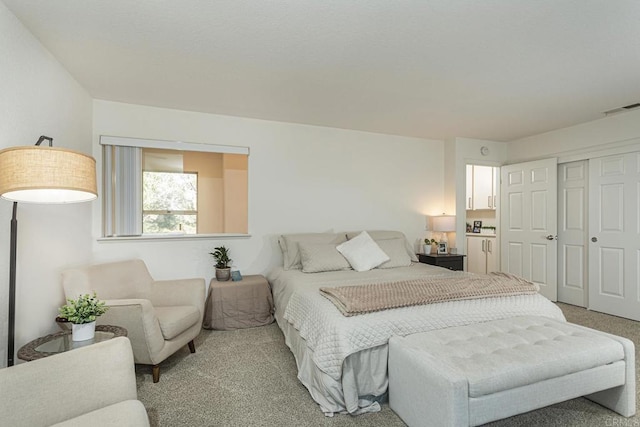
x=444, y=224
x=35, y=174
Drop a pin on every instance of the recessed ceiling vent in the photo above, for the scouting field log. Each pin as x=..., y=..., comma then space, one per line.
x=622, y=109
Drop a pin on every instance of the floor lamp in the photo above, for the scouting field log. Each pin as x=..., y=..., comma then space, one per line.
x=35, y=174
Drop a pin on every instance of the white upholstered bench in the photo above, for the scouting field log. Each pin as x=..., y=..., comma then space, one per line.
x=474, y=374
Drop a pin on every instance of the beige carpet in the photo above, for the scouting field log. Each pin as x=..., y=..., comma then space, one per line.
x=248, y=378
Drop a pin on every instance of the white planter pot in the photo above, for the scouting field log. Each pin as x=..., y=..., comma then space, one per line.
x=83, y=331
x=426, y=249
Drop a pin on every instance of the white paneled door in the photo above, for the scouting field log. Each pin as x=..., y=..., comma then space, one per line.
x=614, y=235
x=529, y=223
x=572, y=232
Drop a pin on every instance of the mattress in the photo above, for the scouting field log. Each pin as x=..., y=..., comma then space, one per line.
x=343, y=360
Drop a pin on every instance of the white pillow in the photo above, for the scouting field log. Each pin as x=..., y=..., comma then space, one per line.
x=362, y=252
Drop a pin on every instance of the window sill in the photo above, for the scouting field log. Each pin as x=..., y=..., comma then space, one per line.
x=155, y=237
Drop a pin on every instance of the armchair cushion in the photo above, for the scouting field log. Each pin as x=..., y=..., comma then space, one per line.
x=97, y=376
x=175, y=320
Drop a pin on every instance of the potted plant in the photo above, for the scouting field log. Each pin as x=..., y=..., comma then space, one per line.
x=82, y=313
x=428, y=243
x=223, y=263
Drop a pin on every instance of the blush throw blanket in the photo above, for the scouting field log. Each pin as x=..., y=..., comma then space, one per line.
x=360, y=299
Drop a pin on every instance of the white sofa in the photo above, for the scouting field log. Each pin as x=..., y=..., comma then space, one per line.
x=474, y=374
x=93, y=385
x=160, y=316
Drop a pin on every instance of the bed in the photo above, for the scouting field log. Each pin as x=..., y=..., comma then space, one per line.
x=342, y=360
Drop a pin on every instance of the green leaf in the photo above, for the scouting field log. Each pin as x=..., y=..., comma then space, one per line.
x=85, y=309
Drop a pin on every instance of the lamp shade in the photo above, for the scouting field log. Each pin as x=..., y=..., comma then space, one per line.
x=35, y=174
x=444, y=223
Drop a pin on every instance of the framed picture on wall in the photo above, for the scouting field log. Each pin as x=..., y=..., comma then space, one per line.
x=443, y=248
x=476, y=226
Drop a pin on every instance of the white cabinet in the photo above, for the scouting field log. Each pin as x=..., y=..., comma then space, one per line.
x=482, y=187
x=494, y=186
x=481, y=254
x=482, y=184
x=469, y=187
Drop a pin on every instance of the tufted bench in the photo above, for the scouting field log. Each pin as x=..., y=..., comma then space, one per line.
x=474, y=374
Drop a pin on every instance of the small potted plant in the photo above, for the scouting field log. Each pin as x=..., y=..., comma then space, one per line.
x=82, y=313
x=428, y=243
x=223, y=263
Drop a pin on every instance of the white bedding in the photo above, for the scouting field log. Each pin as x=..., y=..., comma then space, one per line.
x=326, y=339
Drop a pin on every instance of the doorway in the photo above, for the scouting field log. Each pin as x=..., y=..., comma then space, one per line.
x=482, y=218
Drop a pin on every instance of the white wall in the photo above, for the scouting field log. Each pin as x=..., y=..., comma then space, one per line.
x=301, y=179
x=612, y=131
x=38, y=97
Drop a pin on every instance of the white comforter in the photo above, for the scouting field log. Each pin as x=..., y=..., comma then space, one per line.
x=333, y=337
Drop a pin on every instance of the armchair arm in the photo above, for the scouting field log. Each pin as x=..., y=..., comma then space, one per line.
x=143, y=329
x=179, y=292
x=67, y=385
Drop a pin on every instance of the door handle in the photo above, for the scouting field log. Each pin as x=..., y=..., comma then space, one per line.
x=489, y=246
x=494, y=201
x=483, y=245
x=551, y=237
x=469, y=202
x=489, y=201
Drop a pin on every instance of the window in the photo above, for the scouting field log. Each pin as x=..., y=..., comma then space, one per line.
x=169, y=202
x=164, y=188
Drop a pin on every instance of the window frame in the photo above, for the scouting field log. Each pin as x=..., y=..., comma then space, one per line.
x=106, y=140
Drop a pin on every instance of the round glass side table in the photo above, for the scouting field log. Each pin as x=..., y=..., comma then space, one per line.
x=61, y=342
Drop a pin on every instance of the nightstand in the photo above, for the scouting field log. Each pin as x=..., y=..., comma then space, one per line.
x=450, y=261
x=236, y=305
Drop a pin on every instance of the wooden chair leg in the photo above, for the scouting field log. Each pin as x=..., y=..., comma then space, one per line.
x=156, y=373
x=156, y=368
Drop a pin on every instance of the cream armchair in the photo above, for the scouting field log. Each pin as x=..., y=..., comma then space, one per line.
x=90, y=386
x=160, y=316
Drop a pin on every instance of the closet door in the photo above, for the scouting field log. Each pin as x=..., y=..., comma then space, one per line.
x=614, y=235
x=572, y=233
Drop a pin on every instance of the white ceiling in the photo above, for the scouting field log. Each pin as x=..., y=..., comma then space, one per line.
x=489, y=69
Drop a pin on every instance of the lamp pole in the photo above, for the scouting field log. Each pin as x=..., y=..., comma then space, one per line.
x=13, y=246
x=12, y=285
